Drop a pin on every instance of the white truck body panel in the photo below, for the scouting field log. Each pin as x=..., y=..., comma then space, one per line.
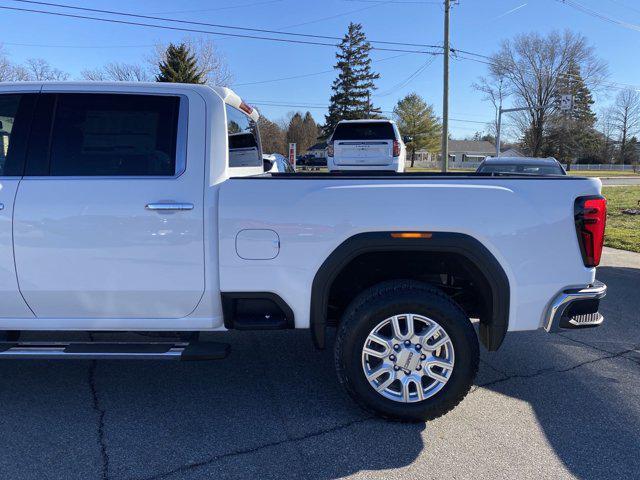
x=526, y=224
x=90, y=257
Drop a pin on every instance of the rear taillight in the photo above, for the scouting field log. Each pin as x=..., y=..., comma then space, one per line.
x=396, y=148
x=330, y=150
x=248, y=109
x=590, y=215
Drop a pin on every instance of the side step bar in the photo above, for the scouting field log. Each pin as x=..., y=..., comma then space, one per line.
x=115, y=351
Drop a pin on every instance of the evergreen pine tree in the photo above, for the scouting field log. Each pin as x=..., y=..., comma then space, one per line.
x=180, y=66
x=351, y=98
x=295, y=131
x=310, y=131
x=416, y=119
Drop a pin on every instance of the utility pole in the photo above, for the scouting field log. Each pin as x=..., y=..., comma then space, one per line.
x=445, y=89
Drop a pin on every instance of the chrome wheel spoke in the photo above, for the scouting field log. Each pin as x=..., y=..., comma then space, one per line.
x=406, y=395
x=382, y=386
x=397, y=357
x=397, y=331
x=379, y=340
x=410, y=327
x=436, y=362
x=444, y=338
x=436, y=376
x=433, y=329
x=419, y=390
x=375, y=374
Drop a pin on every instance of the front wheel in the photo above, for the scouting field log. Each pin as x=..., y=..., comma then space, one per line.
x=406, y=351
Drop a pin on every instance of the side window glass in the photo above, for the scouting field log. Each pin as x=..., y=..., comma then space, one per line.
x=15, y=115
x=114, y=135
x=244, y=149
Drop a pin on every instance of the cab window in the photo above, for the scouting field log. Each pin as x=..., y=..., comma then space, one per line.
x=114, y=135
x=15, y=117
x=244, y=140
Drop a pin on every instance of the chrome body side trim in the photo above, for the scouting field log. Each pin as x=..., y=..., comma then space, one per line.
x=591, y=292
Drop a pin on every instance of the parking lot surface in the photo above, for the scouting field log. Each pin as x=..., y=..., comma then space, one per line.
x=545, y=406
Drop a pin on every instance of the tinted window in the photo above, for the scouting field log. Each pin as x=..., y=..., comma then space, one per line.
x=530, y=169
x=15, y=115
x=364, y=131
x=244, y=141
x=105, y=134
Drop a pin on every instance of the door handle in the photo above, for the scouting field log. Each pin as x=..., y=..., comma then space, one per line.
x=169, y=206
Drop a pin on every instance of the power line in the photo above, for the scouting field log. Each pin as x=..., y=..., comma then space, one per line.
x=414, y=2
x=230, y=7
x=338, y=15
x=602, y=16
x=41, y=45
x=192, y=22
x=313, y=74
x=407, y=80
x=193, y=30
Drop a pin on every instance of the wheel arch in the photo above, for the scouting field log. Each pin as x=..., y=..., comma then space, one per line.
x=492, y=328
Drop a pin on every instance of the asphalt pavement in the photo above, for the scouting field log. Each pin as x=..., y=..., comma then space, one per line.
x=545, y=406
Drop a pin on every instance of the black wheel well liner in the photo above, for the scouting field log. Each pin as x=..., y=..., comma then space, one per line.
x=492, y=331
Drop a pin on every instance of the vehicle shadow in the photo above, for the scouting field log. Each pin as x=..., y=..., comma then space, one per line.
x=584, y=386
x=274, y=409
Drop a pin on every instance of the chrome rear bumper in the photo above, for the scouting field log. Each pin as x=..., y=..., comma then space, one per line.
x=576, y=308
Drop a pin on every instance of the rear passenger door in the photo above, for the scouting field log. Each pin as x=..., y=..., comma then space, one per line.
x=16, y=109
x=108, y=221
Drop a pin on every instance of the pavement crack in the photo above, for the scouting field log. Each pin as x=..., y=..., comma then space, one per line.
x=546, y=371
x=246, y=451
x=101, y=414
x=580, y=342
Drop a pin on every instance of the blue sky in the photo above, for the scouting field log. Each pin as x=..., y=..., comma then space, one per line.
x=477, y=25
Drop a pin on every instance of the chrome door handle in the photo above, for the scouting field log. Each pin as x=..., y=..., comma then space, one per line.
x=169, y=206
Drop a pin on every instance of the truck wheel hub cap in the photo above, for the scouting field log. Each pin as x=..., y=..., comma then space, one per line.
x=408, y=358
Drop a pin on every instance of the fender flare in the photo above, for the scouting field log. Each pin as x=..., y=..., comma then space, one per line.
x=492, y=330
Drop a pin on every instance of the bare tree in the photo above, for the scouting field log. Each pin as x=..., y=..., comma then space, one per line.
x=210, y=60
x=606, y=126
x=38, y=69
x=495, y=91
x=118, y=72
x=625, y=116
x=531, y=65
x=10, y=72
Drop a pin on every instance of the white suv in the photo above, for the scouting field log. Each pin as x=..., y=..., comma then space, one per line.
x=366, y=145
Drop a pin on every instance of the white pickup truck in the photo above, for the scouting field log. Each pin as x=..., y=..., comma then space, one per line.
x=144, y=207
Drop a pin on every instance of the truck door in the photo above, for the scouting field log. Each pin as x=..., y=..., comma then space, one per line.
x=16, y=109
x=108, y=220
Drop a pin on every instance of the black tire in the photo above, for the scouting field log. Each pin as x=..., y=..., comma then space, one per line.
x=391, y=298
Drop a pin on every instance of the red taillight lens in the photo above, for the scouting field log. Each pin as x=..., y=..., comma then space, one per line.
x=246, y=108
x=591, y=218
x=330, y=150
x=396, y=148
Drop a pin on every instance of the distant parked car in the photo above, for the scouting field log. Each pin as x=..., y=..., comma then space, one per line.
x=276, y=163
x=366, y=145
x=314, y=162
x=530, y=165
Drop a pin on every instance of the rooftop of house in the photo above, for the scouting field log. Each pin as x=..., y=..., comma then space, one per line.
x=471, y=146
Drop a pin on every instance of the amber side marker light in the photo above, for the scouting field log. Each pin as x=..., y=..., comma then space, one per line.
x=411, y=235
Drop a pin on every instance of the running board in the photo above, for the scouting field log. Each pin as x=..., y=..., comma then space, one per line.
x=115, y=351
